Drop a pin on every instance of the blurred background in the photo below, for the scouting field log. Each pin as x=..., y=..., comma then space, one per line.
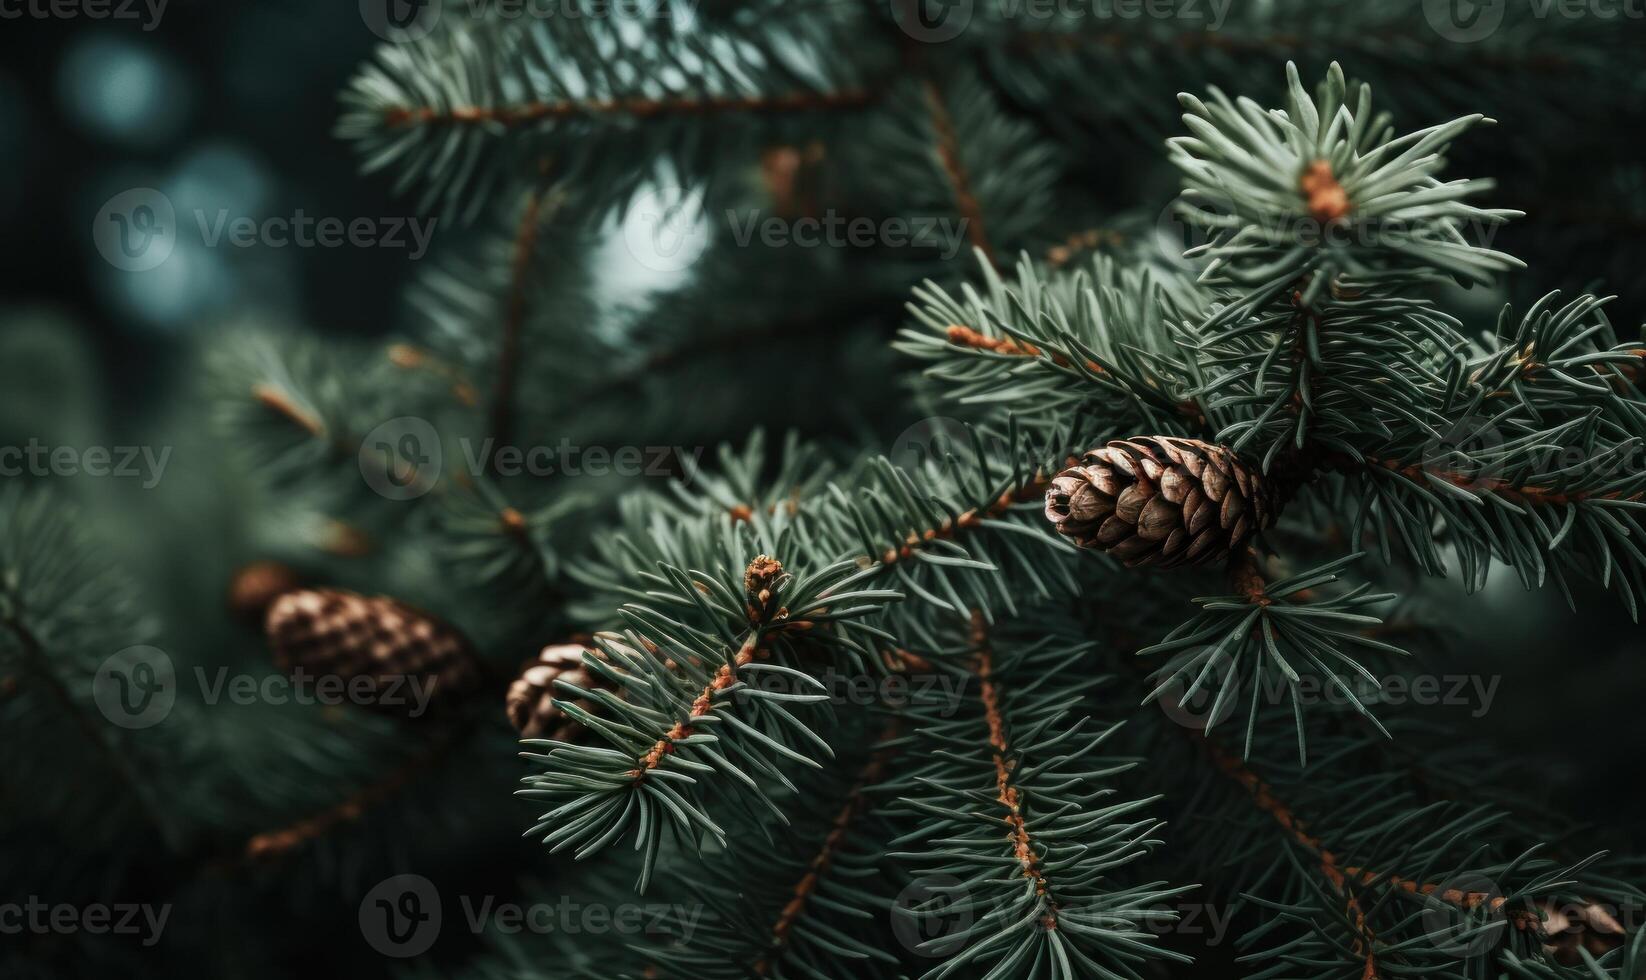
x=218, y=107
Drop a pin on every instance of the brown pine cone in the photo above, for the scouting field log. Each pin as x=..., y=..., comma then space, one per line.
x=255, y=586
x=412, y=658
x=1568, y=927
x=530, y=701
x=1162, y=501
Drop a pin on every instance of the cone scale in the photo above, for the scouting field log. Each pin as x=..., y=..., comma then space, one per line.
x=1161, y=501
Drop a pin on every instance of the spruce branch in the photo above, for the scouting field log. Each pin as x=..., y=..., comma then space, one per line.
x=1265, y=640
x=1019, y=835
x=691, y=666
x=613, y=100
x=821, y=907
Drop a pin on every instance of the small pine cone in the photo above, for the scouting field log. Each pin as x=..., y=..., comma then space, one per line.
x=1162, y=501
x=331, y=632
x=1566, y=928
x=255, y=586
x=530, y=701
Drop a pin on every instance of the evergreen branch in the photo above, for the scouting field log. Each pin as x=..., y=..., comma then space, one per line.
x=611, y=99
x=1094, y=342
x=273, y=844
x=948, y=151
x=1365, y=943
x=1438, y=887
x=508, y=352
x=819, y=910
x=1011, y=798
x=690, y=668
x=37, y=664
x=532, y=112
x=63, y=609
x=1269, y=636
x=1322, y=188
x=856, y=803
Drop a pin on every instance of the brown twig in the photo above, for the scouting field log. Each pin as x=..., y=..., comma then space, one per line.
x=763, y=569
x=1534, y=495
x=1267, y=44
x=1006, y=791
x=278, y=401
x=948, y=153
x=278, y=843
x=1340, y=875
x=35, y=662
x=853, y=807
x=531, y=112
x=950, y=526
x=508, y=352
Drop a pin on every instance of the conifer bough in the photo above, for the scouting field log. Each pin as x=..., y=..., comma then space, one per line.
x=1161, y=500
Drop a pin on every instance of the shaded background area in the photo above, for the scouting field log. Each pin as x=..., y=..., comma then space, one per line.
x=221, y=106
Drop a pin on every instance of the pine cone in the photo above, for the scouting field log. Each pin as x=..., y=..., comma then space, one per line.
x=1568, y=927
x=530, y=701
x=410, y=655
x=1161, y=500
x=255, y=587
